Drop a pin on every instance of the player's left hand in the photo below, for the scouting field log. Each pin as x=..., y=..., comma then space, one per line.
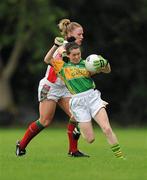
x=102, y=63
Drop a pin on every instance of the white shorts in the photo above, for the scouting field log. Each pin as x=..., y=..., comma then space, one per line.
x=84, y=106
x=48, y=90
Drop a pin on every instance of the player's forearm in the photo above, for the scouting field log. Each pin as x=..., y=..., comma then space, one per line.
x=49, y=54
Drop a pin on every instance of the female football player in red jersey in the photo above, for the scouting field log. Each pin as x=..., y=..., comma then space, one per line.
x=52, y=91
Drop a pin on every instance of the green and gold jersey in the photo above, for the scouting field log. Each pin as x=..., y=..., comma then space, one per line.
x=75, y=76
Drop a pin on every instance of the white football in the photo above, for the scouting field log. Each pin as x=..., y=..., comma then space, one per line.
x=89, y=62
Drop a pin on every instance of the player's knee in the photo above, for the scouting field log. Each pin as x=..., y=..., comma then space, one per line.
x=45, y=121
x=107, y=131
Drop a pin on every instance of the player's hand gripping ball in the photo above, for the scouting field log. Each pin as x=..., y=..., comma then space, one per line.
x=95, y=62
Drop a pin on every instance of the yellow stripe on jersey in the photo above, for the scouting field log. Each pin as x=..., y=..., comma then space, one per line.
x=75, y=72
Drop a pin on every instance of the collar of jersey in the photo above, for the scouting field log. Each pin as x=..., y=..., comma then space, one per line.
x=73, y=63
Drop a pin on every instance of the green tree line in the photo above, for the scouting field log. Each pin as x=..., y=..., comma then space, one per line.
x=114, y=29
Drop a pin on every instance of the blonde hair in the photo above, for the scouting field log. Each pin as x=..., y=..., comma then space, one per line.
x=66, y=26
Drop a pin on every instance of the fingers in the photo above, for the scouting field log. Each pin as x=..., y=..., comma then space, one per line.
x=58, y=41
x=101, y=63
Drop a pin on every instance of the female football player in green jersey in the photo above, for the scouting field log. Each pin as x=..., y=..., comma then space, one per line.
x=86, y=102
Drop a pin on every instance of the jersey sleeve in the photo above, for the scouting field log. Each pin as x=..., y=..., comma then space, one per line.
x=57, y=65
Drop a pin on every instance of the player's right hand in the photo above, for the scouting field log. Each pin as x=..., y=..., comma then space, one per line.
x=58, y=41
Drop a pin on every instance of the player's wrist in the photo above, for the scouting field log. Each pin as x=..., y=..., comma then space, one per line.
x=57, y=45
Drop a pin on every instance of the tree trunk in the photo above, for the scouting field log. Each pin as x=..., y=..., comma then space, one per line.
x=6, y=93
x=6, y=97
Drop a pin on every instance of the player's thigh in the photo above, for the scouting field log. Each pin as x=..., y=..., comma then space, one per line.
x=102, y=119
x=87, y=131
x=64, y=104
x=47, y=109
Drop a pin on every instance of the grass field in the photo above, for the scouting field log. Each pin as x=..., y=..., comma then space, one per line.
x=47, y=158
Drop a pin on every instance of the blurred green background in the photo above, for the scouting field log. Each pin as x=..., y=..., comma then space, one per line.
x=115, y=29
